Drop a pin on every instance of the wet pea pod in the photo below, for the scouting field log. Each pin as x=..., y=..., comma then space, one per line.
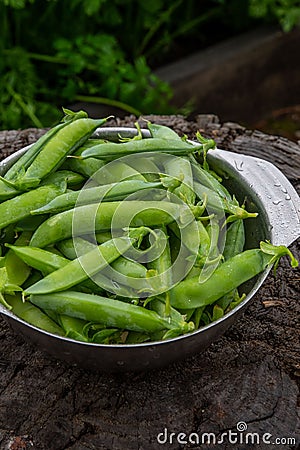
x=112, y=150
x=163, y=268
x=6, y=287
x=205, y=178
x=18, y=208
x=95, y=218
x=234, y=244
x=177, y=320
x=207, y=254
x=33, y=315
x=227, y=276
x=97, y=194
x=103, y=237
x=95, y=308
x=86, y=167
x=162, y=131
x=235, y=239
x=115, y=172
x=55, y=151
x=47, y=262
x=86, y=265
x=73, y=327
x=27, y=158
x=108, y=336
x=180, y=169
x=73, y=248
x=146, y=165
x=17, y=270
x=64, y=176
x=7, y=191
x=38, y=258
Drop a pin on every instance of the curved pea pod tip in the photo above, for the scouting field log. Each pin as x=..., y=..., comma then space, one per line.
x=137, y=137
x=187, y=327
x=277, y=251
x=206, y=142
x=71, y=115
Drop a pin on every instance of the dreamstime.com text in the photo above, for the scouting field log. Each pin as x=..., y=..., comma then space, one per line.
x=239, y=436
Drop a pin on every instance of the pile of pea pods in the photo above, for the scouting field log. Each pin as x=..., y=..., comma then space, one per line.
x=122, y=242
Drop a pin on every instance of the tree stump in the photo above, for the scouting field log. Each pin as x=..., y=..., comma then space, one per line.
x=246, y=382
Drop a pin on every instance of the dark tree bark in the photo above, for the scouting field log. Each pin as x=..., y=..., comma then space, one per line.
x=250, y=375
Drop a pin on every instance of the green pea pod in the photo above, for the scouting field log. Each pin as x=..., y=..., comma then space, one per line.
x=180, y=169
x=56, y=150
x=86, y=167
x=105, y=193
x=112, y=150
x=176, y=319
x=47, y=262
x=18, y=208
x=205, y=178
x=7, y=191
x=235, y=239
x=135, y=337
x=103, y=237
x=38, y=258
x=6, y=287
x=26, y=159
x=105, y=336
x=69, y=177
x=146, y=166
x=73, y=327
x=116, y=172
x=163, y=267
x=227, y=276
x=33, y=315
x=94, y=308
x=128, y=268
x=215, y=236
x=162, y=132
x=17, y=270
x=83, y=267
x=72, y=248
x=197, y=316
x=97, y=218
x=234, y=244
x=91, y=142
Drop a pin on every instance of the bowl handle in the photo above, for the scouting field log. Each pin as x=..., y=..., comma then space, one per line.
x=278, y=198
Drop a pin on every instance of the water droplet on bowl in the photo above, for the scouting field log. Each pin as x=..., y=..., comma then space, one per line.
x=276, y=202
x=239, y=165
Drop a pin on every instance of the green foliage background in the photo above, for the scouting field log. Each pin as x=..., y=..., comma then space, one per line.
x=58, y=52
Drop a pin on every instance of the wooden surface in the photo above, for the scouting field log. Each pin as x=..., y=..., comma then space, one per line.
x=250, y=375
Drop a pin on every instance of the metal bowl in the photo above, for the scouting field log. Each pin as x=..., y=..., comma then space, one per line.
x=267, y=191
